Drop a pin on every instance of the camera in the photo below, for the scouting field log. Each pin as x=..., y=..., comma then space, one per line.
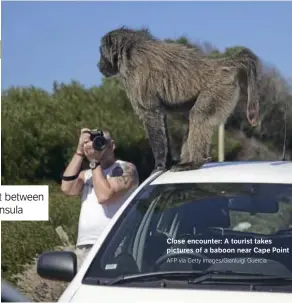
x=98, y=140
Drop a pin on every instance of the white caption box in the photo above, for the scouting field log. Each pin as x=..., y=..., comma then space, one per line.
x=24, y=203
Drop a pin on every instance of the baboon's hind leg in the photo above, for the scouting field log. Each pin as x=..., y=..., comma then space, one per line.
x=208, y=112
x=186, y=156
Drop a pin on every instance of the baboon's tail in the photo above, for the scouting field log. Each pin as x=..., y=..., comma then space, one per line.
x=251, y=64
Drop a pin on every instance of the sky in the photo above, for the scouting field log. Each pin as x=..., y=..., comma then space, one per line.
x=47, y=41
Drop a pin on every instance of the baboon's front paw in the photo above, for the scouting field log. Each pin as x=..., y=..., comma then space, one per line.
x=188, y=166
x=182, y=167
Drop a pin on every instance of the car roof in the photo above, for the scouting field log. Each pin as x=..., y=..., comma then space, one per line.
x=232, y=172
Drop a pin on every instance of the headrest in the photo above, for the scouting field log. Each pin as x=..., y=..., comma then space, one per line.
x=207, y=212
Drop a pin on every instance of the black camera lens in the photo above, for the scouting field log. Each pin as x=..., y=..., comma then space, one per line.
x=98, y=139
x=99, y=143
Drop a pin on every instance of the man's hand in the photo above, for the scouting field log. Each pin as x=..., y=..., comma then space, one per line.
x=83, y=139
x=91, y=154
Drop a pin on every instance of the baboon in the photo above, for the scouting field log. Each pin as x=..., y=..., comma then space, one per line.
x=161, y=77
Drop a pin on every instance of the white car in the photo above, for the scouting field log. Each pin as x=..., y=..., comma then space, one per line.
x=222, y=233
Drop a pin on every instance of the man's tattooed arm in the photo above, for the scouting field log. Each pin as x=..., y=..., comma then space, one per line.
x=124, y=176
x=108, y=190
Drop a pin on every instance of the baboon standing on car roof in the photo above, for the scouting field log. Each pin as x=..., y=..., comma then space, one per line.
x=161, y=78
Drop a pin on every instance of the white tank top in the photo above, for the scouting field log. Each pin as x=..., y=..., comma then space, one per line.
x=94, y=216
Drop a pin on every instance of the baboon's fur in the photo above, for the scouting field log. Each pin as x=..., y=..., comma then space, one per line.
x=161, y=78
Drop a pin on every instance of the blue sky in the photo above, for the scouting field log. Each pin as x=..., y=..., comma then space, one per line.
x=47, y=41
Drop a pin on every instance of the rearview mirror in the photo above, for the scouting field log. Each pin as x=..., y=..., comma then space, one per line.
x=57, y=265
x=254, y=204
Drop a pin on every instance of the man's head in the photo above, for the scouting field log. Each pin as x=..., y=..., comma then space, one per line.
x=106, y=154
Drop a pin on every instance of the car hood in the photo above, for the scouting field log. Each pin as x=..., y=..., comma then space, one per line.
x=113, y=294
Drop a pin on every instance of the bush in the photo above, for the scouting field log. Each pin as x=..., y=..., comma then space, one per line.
x=40, y=130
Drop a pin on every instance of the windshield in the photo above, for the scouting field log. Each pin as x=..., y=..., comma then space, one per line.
x=199, y=227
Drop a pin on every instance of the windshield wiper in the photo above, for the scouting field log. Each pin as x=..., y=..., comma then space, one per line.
x=154, y=276
x=240, y=277
x=200, y=277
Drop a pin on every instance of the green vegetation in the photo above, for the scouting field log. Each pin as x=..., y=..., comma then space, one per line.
x=22, y=241
x=40, y=130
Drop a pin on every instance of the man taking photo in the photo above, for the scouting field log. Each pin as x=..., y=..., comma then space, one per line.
x=103, y=188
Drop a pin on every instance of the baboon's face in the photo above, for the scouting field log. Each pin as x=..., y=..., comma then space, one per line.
x=107, y=65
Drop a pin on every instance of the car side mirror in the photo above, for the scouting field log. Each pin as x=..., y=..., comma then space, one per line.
x=57, y=265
